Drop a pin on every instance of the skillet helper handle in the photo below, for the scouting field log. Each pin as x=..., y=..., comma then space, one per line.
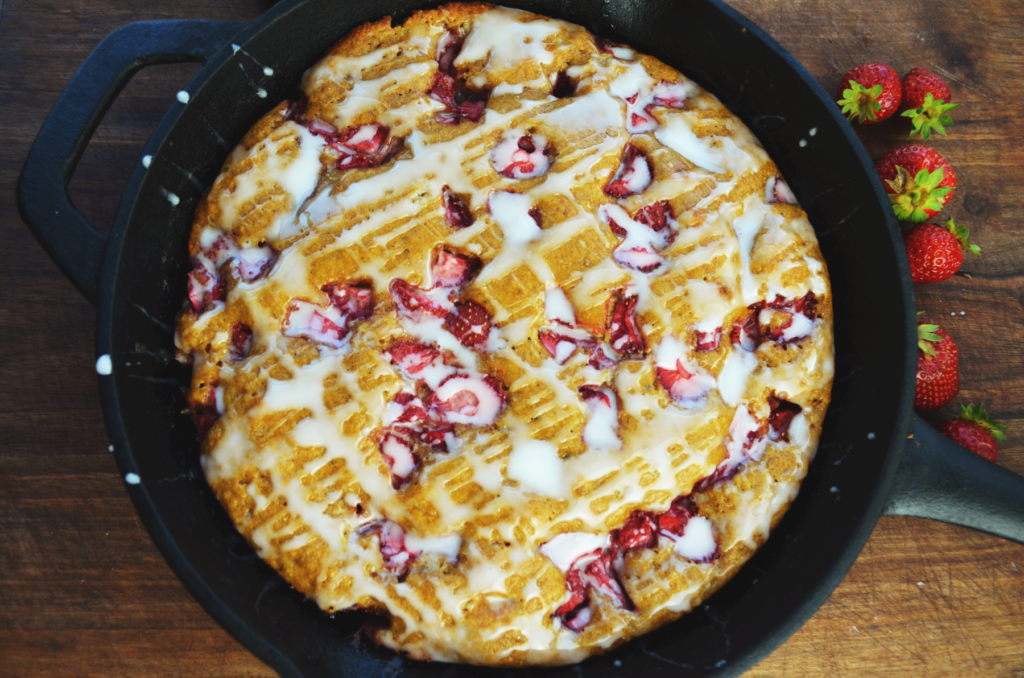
x=76, y=246
x=941, y=480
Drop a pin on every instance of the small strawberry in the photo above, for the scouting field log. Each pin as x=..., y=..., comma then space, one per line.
x=975, y=431
x=870, y=92
x=936, y=253
x=924, y=102
x=918, y=180
x=938, y=371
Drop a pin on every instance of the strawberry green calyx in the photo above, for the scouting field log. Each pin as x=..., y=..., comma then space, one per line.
x=960, y=233
x=912, y=195
x=861, y=102
x=931, y=115
x=977, y=415
x=926, y=337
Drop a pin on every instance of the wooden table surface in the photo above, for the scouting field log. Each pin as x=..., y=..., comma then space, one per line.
x=84, y=592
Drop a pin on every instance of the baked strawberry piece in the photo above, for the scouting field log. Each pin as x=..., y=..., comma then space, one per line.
x=453, y=270
x=520, y=156
x=364, y=146
x=632, y=176
x=467, y=399
x=456, y=209
x=624, y=333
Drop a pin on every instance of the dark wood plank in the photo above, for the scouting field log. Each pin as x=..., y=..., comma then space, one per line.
x=84, y=592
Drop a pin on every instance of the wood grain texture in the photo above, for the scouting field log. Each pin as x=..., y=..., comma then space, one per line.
x=84, y=592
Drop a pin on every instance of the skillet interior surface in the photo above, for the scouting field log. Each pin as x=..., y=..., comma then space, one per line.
x=780, y=587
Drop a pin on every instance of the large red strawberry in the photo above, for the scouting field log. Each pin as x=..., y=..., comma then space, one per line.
x=936, y=253
x=938, y=368
x=918, y=180
x=975, y=431
x=925, y=97
x=870, y=92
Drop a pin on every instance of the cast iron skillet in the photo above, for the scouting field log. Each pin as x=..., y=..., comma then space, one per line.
x=136, y=276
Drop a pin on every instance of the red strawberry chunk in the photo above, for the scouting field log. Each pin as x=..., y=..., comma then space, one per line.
x=460, y=102
x=354, y=302
x=746, y=332
x=204, y=288
x=563, y=86
x=674, y=520
x=520, y=156
x=777, y=190
x=637, y=533
x=448, y=47
x=393, y=549
x=401, y=459
x=799, y=323
x=465, y=399
x=633, y=174
x=575, y=613
x=601, y=358
x=414, y=303
x=456, y=211
x=668, y=94
x=747, y=440
x=602, y=574
x=364, y=147
x=206, y=413
x=241, y=341
x=412, y=357
x=656, y=215
x=252, y=263
x=452, y=269
x=781, y=413
x=709, y=341
x=319, y=324
x=624, y=332
x=470, y=323
x=561, y=347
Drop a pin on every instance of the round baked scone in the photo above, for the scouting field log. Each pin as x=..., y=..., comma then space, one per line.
x=511, y=334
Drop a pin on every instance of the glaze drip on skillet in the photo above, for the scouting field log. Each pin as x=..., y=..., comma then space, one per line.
x=574, y=444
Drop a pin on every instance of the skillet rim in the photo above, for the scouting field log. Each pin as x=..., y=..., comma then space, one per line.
x=265, y=648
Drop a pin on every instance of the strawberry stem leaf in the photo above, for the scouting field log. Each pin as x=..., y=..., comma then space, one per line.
x=977, y=414
x=961, y=233
x=861, y=102
x=913, y=197
x=929, y=117
x=926, y=337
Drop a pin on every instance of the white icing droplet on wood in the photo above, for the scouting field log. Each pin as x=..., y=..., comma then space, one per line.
x=537, y=467
x=104, y=365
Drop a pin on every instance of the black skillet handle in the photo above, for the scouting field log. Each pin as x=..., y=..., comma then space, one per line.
x=43, y=201
x=941, y=480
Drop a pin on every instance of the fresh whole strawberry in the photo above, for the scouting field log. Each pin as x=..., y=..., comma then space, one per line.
x=925, y=102
x=938, y=368
x=918, y=180
x=936, y=253
x=975, y=431
x=870, y=92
